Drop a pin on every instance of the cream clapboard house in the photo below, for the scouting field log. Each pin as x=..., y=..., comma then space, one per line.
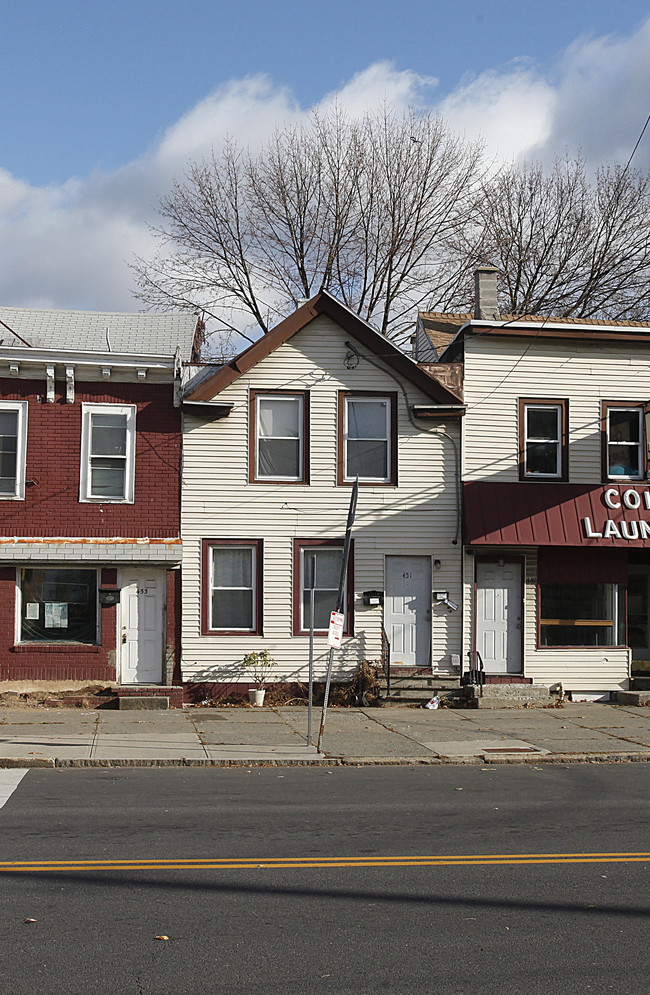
x=555, y=492
x=272, y=444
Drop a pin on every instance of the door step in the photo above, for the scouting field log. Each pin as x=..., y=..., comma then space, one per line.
x=417, y=688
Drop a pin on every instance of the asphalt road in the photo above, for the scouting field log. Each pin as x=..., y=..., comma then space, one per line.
x=264, y=908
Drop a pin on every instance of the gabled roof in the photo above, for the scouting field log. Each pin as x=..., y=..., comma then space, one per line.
x=98, y=331
x=206, y=386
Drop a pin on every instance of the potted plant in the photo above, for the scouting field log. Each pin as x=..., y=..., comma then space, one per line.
x=259, y=664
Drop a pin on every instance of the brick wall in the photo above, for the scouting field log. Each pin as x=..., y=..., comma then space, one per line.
x=52, y=507
x=63, y=662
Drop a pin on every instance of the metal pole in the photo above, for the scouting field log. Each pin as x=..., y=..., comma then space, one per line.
x=339, y=601
x=310, y=704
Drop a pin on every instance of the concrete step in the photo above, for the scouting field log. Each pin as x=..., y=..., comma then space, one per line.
x=507, y=695
x=418, y=688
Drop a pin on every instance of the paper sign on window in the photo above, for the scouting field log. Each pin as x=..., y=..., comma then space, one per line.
x=56, y=615
x=335, y=631
x=31, y=610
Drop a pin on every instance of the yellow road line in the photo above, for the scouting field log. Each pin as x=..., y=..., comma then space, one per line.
x=274, y=863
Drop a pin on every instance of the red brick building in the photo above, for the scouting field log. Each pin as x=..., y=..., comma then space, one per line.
x=90, y=455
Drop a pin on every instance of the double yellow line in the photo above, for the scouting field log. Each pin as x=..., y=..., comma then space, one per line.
x=300, y=863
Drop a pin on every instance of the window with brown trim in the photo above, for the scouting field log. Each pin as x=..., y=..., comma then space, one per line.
x=279, y=436
x=367, y=438
x=317, y=568
x=623, y=448
x=543, y=439
x=231, y=601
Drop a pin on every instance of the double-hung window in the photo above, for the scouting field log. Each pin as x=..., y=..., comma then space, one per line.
x=543, y=439
x=367, y=438
x=623, y=452
x=108, y=453
x=13, y=449
x=232, y=586
x=279, y=436
x=317, y=572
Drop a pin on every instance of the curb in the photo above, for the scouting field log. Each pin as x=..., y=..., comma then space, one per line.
x=548, y=758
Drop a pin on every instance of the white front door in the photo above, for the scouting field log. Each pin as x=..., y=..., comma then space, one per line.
x=499, y=614
x=141, y=627
x=407, y=610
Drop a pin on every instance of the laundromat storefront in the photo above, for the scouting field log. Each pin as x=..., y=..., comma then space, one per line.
x=586, y=554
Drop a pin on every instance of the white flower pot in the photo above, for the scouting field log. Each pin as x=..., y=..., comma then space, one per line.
x=256, y=696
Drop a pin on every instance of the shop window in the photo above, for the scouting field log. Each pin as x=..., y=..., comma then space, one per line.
x=232, y=586
x=107, y=453
x=279, y=436
x=623, y=451
x=543, y=444
x=13, y=448
x=578, y=614
x=58, y=605
x=317, y=567
x=367, y=442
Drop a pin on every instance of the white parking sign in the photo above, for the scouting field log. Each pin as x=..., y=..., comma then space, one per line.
x=335, y=631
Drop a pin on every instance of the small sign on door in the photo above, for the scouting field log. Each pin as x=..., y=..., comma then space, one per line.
x=335, y=631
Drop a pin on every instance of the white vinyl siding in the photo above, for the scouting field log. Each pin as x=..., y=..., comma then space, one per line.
x=500, y=371
x=419, y=518
x=578, y=668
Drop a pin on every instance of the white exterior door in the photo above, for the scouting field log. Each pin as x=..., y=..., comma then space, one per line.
x=140, y=636
x=407, y=610
x=499, y=613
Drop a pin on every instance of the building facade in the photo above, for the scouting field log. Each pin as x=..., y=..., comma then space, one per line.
x=90, y=546
x=272, y=445
x=556, y=497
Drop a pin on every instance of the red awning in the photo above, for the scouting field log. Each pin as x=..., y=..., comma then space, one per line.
x=530, y=514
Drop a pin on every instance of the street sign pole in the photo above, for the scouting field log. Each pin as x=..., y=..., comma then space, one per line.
x=339, y=602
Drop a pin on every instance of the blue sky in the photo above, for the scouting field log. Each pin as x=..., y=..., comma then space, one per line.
x=102, y=103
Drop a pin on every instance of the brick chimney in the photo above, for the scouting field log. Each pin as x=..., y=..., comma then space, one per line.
x=485, y=300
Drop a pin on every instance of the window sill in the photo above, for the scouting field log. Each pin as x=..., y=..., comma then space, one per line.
x=38, y=647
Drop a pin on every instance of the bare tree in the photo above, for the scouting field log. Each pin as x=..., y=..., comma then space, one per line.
x=369, y=209
x=566, y=244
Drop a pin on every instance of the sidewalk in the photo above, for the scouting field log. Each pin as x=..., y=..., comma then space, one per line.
x=64, y=737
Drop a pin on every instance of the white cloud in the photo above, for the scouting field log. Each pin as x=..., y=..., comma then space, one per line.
x=69, y=245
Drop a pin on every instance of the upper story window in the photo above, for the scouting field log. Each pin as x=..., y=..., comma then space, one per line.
x=108, y=453
x=279, y=436
x=367, y=438
x=543, y=443
x=232, y=586
x=13, y=449
x=623, y=449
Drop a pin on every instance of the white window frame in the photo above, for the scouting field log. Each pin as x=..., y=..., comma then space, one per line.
x=638, y=410
x=21, y=409
x=557, y=441
x=387, y=438
x=259, y=475
x=87, y=411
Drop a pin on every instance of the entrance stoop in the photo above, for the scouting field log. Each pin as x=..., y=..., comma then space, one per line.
x=507, y=696
x=146, y=696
